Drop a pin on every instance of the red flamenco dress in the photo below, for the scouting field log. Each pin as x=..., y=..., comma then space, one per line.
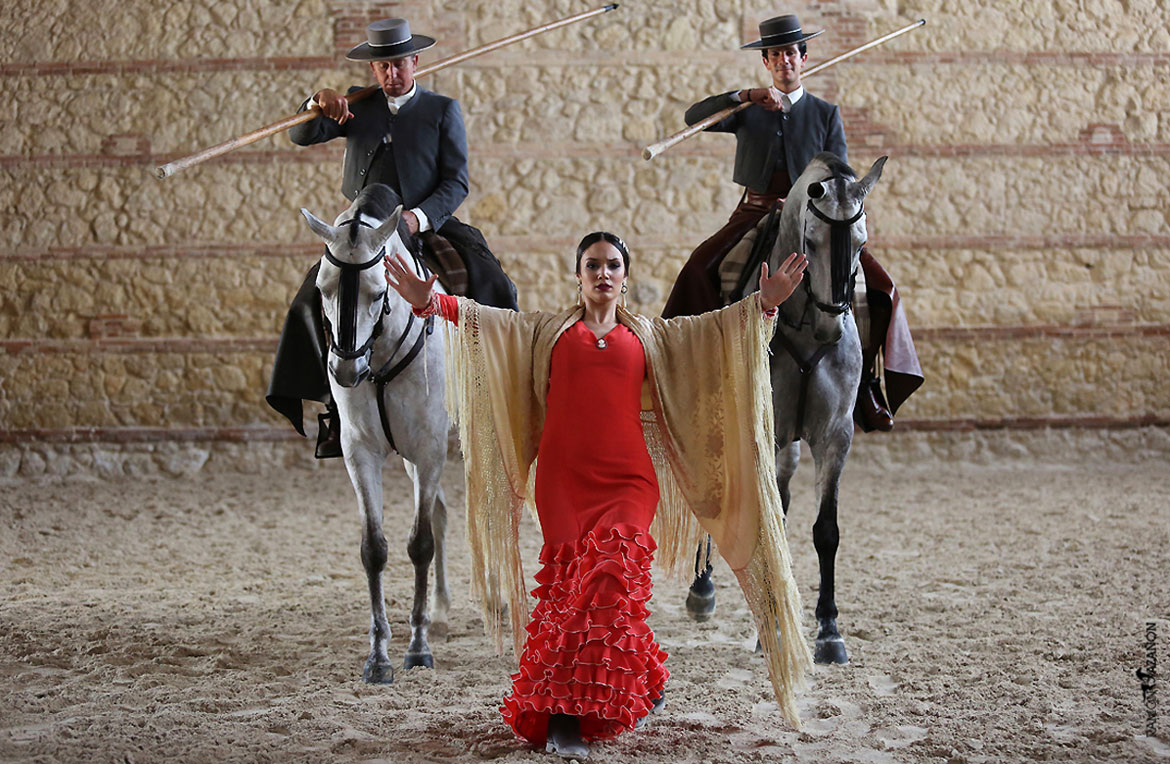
x=589, y=652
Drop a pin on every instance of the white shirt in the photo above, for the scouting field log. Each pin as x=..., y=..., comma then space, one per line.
x=395, y=104
x=398, y=102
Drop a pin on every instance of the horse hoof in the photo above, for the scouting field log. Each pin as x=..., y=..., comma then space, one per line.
x=830, y=650
x=418, y=660
x=378, y=673
x=439, y=630
x=701, y=606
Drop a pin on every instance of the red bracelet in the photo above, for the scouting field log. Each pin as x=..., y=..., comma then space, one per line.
x=430, y=309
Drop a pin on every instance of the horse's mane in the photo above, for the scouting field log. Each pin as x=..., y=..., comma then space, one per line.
x=834, y=165
x=377, y=201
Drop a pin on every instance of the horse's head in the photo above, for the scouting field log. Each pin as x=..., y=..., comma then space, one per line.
x=824, y=217
x=352, y=279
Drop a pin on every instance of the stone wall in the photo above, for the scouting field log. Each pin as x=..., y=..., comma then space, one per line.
x=1023, y=212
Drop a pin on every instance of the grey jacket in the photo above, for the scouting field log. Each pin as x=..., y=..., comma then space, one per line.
x=429, y=144
x=812, y=126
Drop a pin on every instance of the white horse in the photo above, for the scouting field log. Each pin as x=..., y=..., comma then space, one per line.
x=386, y=375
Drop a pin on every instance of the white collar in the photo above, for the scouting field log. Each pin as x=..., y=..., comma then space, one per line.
x=794, y=96
x=397, y=102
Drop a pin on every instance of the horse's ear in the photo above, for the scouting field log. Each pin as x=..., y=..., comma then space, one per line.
x=320, y=227
x=389, y=226
x=816, y=190
x=866, y=184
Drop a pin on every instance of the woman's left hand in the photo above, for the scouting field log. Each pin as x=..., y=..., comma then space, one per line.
x=413, y=289
x=776, y=288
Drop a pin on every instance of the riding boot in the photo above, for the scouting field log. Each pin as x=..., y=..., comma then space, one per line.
x=328, y=433
x=871, y=412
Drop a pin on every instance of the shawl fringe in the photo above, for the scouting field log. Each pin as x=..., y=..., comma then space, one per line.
x=493, y=505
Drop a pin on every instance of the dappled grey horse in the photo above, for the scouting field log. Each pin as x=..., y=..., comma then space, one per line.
x=386, y=375
x=816, y=359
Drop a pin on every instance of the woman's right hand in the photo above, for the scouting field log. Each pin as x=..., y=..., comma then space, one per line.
x=413, y=289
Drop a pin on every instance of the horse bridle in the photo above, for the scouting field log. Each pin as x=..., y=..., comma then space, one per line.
x=842, y=284
x=389, y=370
x=842, y=278
x=347, y=303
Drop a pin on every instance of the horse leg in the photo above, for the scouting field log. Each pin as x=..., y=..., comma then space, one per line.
x=787, y=458
x=830, y=646
x=701, y=597
x=441, y=602
x=365, y=473
x=421, y=549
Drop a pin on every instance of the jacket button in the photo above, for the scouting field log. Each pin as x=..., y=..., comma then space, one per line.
x=363, y=172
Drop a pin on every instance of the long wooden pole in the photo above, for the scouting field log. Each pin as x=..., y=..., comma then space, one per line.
x=170, y=168
x=654, y=149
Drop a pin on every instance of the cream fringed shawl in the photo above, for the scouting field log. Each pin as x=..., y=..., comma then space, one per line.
x=708, y=428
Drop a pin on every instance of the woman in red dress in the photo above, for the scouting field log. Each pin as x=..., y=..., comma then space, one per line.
x=590, y=667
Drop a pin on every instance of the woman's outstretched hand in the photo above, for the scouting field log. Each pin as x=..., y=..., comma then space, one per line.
x=402, y=279
x=775, y=289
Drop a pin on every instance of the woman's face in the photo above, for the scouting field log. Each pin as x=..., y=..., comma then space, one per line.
x=602, y=272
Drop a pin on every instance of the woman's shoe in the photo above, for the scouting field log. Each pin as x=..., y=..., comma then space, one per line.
x=564, y=737
x=657, y=705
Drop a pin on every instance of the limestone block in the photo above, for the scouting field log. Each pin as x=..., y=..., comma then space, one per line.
x=1066, y=286
x=984, y=195
x=1035, y=376
x=175, y=111
x=602, y=101
x=1002, y=102
x=1053, y=25
x=58, y=30
x=136, y=390
x=136, y=209
x=636, y=26
x=979, y=196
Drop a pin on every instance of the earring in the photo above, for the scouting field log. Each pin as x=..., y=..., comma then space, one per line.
x=579, y=297
x=625, y=288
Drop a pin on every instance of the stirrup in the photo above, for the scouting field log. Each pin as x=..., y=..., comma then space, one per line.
x=328, y=436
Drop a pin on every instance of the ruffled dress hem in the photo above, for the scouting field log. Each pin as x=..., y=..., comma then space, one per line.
x=589, y=651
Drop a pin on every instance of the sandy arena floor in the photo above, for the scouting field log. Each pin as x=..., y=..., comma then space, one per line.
x=993, y=614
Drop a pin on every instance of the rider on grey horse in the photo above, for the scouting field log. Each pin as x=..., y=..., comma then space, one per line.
x=412, y=140
x=777, y=139
x=774, y=144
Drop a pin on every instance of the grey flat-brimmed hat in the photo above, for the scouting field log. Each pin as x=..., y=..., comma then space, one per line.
x=389, y=39
x=780, y=31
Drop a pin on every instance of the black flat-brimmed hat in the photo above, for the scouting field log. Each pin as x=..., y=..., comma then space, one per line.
x=389, y=39
x=780, y=31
